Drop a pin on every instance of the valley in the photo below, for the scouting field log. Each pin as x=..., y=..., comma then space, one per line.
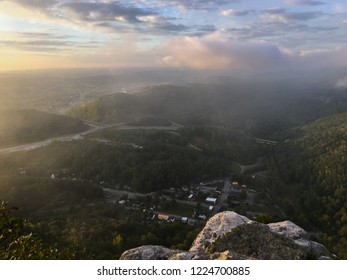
x=117, y=170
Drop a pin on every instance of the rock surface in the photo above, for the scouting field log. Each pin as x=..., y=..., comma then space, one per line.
x=152, y=252
x=228, y=235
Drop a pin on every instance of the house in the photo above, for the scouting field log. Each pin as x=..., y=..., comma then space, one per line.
x=208, y=189
x=235, y=188
x=211, y=200
x=184, y=220
x=190, y=196
x=202, y=217
x=163, y=217
x=210, y=208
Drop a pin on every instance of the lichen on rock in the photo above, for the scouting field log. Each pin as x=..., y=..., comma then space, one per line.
x=228, y=235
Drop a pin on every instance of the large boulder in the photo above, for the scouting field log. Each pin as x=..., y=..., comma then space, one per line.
x=228, y=235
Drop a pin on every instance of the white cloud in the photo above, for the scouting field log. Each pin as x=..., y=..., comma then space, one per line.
x=201, y=4
x=217, y=51
x=232, y=12
x=341, y=83
x=282, y=16
x=322, y=58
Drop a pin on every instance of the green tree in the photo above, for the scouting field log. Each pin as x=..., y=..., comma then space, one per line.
x=16, y=243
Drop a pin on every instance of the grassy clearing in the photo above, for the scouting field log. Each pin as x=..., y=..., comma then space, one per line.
x=181, y=210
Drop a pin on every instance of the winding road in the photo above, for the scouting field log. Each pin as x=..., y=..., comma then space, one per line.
x=94, y=127
x=244, y=168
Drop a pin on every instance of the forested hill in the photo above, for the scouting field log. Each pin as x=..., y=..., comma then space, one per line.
x=314, y=167
x=26, y=126
x=261, y=109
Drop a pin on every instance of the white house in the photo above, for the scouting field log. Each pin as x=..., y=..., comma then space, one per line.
x=211, y=200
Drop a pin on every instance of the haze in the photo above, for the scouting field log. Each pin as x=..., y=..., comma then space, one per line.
x=129, y=123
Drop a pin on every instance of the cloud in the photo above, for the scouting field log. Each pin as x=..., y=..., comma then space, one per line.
x=305, y=2
x=107, y=16
x=44, y=42
x=341, y=83
x=322, y=58
x=102, y=11
x=201, y=4
x=280, y=15
x=113, y=27
x=202, y=30
x=39, y=46
x=85, y=11
x=161, y=23
x=231, y=12
x=36, y=4
x=217, y=51
x=207, y=28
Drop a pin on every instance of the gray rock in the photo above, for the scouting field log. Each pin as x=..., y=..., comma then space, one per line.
x=151, y=252
x=228, y=235
x=216, y=226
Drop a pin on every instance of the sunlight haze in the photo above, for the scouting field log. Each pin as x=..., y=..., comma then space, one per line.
x=176, y=33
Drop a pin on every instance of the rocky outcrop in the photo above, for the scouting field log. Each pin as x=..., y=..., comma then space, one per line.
x=152, y=252
x=215, y=227
x=228, y=235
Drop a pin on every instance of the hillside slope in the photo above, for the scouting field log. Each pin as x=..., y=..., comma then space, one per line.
x=313, y=166
x=261, y=109
x=25, y=126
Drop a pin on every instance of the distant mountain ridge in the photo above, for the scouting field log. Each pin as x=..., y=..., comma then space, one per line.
x=263, y=109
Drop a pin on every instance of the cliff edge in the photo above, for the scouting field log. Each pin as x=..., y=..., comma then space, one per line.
x=228, y=235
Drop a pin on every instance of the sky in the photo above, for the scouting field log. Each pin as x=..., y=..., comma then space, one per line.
x=196, y=34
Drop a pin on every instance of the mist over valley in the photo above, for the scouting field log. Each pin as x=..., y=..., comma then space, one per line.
x=85, y=142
